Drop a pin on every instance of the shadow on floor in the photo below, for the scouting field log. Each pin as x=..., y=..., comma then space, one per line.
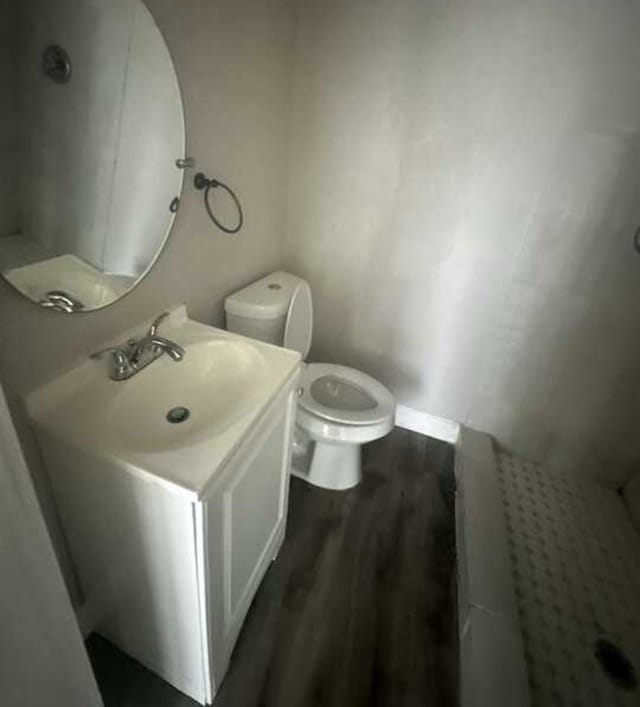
x=358, y=610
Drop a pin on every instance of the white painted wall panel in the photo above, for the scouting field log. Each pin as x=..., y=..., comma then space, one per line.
x=463, y=193
x=9, y=205
x=70, y=132
x=151, y=139
x=42, y=658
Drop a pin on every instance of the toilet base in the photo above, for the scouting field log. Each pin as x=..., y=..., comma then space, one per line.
x=330, y=466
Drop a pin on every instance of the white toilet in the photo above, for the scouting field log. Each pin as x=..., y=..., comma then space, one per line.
x=339, y=408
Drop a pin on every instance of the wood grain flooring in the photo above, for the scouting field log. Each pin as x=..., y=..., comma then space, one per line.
x=358, y=610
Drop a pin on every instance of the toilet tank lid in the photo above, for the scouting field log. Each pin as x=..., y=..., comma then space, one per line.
x=267, y=298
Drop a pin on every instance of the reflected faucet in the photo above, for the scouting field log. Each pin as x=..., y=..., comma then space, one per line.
x=127, y=360
x=61, y=300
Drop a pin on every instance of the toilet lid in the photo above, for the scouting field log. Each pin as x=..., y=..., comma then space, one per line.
x=299, y=324
x=344, y=395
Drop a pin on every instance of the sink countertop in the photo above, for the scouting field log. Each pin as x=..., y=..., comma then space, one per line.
x=89, y=411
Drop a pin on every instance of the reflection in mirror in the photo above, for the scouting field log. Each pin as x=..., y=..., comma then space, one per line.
x=91, y=126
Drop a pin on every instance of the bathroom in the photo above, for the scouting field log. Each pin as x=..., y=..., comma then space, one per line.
x=458, y=184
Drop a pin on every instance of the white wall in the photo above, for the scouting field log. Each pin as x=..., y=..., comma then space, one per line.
x=43, y=660
x=70, y=131
x=151, y=139
x=100, y=149
x=9, y=215
x=233, y=60
x=463, y=193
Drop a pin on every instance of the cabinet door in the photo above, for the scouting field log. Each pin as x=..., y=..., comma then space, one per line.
x=134, y=548
x=245, y=518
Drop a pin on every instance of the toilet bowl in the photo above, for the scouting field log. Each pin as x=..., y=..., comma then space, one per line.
x=339, y=408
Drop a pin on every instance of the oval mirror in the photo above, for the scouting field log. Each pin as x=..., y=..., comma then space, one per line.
x=91, y=127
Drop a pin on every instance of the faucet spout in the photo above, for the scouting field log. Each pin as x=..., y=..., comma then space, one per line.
x=173, y=350
x=153, y=329
x=128, y=359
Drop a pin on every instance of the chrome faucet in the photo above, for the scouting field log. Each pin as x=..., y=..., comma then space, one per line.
x=61, y=300
x=136, y=354
x=154, y=343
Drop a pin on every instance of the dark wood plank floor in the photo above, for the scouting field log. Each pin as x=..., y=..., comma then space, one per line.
x=358, y=610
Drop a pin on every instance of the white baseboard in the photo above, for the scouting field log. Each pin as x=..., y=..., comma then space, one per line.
x=429, y=425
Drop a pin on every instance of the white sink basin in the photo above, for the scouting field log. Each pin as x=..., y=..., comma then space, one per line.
x=73, y=276
x=224, y=381
x=215, y=383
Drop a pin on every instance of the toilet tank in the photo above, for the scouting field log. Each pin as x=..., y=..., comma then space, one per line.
x=261, y=309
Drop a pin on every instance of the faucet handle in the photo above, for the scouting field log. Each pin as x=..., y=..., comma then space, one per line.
x=122, y=365
x=115, y=350
x=153, y=329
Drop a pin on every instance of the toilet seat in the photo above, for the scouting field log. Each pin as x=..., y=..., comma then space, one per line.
x=344, y=395
x=339, y=408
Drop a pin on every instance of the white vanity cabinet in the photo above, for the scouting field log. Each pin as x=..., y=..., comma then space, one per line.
x=170, y=546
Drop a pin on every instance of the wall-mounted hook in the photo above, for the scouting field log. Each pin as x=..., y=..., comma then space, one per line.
x=185, y=162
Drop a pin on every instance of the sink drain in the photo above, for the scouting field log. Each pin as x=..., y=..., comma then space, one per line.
x=177, y=415
x=615, y=664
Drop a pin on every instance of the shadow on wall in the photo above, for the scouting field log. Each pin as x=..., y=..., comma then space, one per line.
x=538, y=345
x=463, y=196
x=589, y=391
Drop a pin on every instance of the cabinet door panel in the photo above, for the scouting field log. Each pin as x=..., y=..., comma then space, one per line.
x=245, y=517
x=253, y=512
